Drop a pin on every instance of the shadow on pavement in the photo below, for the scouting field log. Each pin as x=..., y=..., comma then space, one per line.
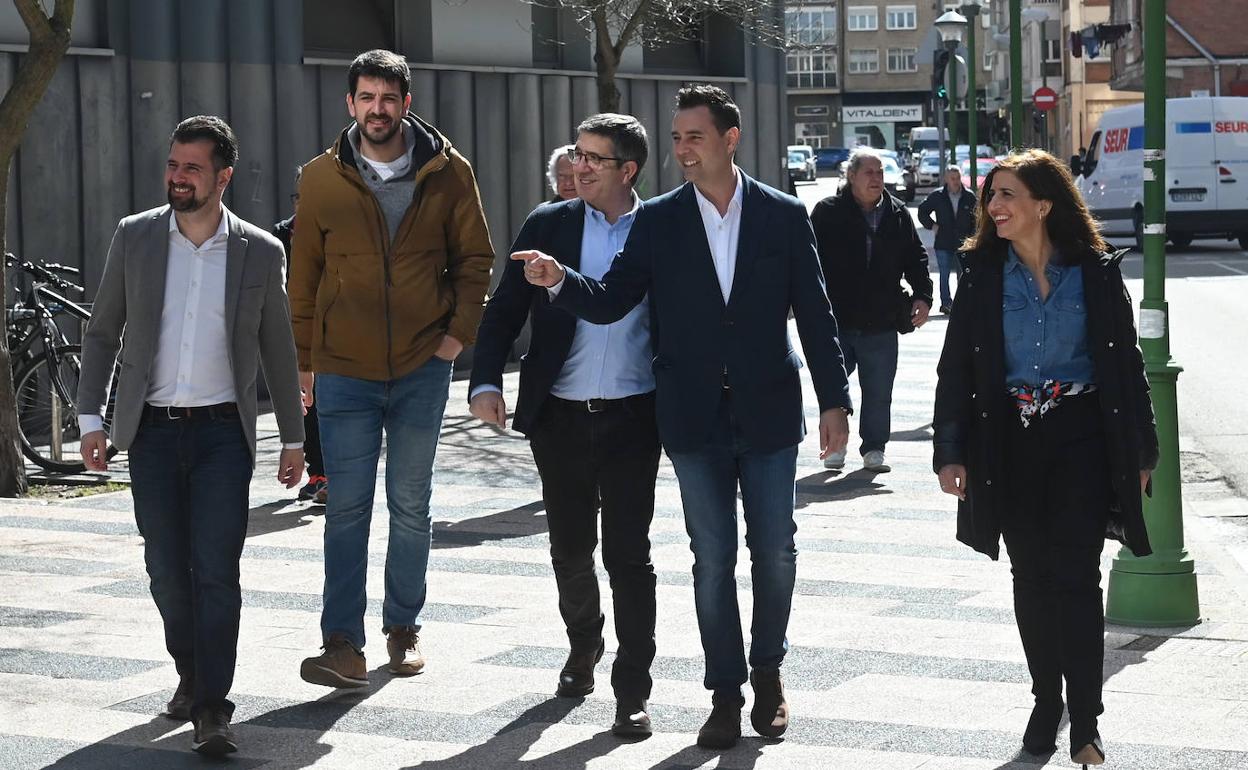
x=279, y=516
x=826, y=486
x=507, y=747
x=523, y=521
x=745, y=755
x=921, y=433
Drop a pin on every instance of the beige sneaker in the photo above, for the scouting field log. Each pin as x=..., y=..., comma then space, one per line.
x=340, y=665
x=403, y=644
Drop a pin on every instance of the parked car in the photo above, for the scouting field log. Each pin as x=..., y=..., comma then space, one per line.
x=808, y=160
x=895, y=179
x=982, y=167
x=831, y=157
x=928, y=173
x=906, y=190
x=797, y=167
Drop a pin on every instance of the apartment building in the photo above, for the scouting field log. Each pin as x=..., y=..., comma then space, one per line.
x=1206, y=47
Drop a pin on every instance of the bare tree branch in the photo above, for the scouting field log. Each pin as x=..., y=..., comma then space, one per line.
x=626, y=34
x=34, y=18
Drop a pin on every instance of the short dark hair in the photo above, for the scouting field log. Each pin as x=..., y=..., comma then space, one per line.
x=724, y=110
x=627, y=135
x=209, y=128
x=380, y=63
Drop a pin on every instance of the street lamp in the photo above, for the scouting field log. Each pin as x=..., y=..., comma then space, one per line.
x=971, y=12
x=950, y=26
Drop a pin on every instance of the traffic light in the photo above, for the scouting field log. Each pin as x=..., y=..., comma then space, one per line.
x=939, y=65
x=942, y=93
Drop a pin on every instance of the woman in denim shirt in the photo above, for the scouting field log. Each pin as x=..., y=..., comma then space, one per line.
x=1044, y=428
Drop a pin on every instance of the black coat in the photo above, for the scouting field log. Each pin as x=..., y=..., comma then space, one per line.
x=556, y=229
x=970, y=421
x=866, y=297
x=953, y=227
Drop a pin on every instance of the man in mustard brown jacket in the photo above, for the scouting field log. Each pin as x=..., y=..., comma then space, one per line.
x=389, y=269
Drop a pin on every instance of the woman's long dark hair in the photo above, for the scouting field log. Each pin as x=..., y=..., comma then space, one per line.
x=1070, y=225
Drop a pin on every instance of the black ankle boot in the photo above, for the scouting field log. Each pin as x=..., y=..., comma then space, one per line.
x=1040, y=737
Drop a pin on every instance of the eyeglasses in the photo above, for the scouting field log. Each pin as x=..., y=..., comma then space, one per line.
x=592, y=159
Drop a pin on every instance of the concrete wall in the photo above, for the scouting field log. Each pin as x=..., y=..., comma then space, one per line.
x=97, y=144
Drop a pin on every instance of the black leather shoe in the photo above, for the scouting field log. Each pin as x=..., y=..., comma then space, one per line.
x=577, y=677
x=213, y=736
x=723, y=727
x=1040, y=737
x=179, y=706
x=770, y=714
x=631, y=719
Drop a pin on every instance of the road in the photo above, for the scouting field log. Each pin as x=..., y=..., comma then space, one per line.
x=1206, y=286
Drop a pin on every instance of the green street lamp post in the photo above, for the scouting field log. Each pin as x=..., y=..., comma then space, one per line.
x=1016, y=74
x=971, y=12
x=1157, y=590
x=950, y=26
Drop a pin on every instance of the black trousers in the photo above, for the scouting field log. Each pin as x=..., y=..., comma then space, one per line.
x=1060, y=493
x=312, y=441
x=604, y=460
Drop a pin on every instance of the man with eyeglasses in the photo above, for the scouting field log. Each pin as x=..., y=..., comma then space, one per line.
x=587, y=405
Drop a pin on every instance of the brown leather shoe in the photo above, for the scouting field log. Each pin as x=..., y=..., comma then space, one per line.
x=577, y=677
x=179, y=706
x=723, y=727
x=770, y=714
x=631, y=718
x=213, y=736
x=340, y=665
x=403, y=645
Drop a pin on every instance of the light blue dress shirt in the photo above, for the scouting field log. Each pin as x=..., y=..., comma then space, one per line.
x=1045, y=339
x=610, y=360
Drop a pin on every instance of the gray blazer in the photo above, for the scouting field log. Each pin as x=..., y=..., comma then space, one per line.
x=127, y=312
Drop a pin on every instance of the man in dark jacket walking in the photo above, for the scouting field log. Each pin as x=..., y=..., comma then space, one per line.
x=867, y=244
x=954, y=207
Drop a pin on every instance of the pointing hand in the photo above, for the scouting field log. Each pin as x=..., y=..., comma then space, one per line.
x=540, y=269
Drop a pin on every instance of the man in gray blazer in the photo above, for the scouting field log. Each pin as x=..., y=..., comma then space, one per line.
x=194, y=298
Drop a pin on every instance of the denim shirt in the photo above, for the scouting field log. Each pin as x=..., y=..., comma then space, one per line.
x=1045, y=340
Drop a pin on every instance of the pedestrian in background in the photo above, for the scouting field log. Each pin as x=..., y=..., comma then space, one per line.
x=587, y=405
x=390, y=264
x=559, y=174
x=723, y=259
x=954, y=209
x=317, y=488
x=867, y=245
x=195, y=299
x=1044, y=427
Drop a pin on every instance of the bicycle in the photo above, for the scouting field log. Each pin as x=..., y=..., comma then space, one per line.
x=47, y=367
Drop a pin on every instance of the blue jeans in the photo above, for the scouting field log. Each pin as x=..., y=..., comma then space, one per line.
x=709, y=478
x=874, y=355
x=353, y=414
x=946, y=262
x=189, y=478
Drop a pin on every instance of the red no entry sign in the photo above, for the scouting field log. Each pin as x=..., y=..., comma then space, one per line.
x=1044, y=98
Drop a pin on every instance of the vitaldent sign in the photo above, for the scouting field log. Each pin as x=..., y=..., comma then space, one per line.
x=894, y=114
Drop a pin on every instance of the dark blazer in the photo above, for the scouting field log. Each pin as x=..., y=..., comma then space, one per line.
x=866, y=295
x=954, y=226
x=972, y=410
x=700, y=341
x=556, y=229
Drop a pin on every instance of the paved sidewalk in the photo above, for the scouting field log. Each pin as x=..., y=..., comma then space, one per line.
x=904, y=650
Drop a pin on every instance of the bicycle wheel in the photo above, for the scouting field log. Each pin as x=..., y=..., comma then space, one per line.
x=47, y=412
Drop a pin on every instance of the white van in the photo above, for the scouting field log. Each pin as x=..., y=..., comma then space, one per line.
x=923, y=138
x=1206, y=170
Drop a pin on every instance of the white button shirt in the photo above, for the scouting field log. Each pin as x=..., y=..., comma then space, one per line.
x=722, y=234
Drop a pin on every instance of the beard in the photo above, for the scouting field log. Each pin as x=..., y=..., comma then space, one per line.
x=379, y=135
x=185, y=203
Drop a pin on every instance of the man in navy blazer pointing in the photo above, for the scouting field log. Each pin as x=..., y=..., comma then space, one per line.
x=723, y=259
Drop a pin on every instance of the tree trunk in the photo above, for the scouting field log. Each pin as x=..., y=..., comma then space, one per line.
x=49, y=40
x=12, y=466
x=608, y=93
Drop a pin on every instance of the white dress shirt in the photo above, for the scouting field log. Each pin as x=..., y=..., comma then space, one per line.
x=722, y=234
x=191, y=366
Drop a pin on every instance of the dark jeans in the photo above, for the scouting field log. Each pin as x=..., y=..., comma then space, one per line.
x=312, y=441
x=189, y=479
x=1054, y=532
x=709, y=478
x=946, y=263
x=874, y=355
x=607, y=459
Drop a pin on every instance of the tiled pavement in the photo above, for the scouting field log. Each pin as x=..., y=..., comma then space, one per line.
x=904, y=653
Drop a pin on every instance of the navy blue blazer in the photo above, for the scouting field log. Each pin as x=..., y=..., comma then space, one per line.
x=699, y=340
x=556, y=229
